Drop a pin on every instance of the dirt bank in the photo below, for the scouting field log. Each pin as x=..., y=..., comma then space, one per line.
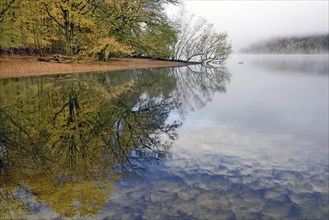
x=18, y=66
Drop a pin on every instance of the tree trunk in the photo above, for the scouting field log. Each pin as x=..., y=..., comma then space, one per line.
x=68, y=33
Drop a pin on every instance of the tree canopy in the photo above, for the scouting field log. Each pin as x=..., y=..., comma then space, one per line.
x=105, y=29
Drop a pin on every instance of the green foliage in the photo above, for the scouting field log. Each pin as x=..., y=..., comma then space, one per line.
x=157, y=41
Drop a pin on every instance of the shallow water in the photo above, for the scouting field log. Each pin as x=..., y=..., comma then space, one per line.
x=242, y=141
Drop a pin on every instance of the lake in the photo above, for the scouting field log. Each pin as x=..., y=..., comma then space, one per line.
x=247, y=140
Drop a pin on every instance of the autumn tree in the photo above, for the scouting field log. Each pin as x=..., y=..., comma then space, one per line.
x=27, y=27
x=62, y=26
x=72, y=17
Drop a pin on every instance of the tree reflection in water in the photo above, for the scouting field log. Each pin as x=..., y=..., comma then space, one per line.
x=66, y=140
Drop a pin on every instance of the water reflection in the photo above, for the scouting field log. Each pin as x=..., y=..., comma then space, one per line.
x=258, y=152
x=310, y=64
x=196, y=85
x=65, y=141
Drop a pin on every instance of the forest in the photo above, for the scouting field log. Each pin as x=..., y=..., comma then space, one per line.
x=104, y=29
x=301, y=45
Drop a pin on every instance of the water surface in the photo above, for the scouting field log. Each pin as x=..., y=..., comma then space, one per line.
x=242, y=141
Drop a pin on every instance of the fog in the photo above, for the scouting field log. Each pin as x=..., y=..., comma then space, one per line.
x=248, y=22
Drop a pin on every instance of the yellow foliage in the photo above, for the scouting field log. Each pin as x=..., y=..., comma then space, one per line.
x=110, y=47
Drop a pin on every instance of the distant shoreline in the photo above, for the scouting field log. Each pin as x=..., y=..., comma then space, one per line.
x=285, y=54
x=316, y=44
x=23, y=66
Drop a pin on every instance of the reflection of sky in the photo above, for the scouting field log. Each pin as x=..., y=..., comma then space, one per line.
x=309, y=64
x=217, y=186
x=266, y=113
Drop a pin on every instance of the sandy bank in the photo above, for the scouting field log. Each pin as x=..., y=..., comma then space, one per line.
x=18, y=66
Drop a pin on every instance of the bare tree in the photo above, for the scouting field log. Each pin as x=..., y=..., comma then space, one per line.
x=198, y=41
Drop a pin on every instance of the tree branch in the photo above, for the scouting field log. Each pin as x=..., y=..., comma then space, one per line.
x=46, y=9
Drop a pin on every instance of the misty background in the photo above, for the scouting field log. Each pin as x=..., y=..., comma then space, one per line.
x=249, y=22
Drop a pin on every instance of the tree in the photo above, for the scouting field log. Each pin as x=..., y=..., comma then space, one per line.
x=132, y=22
x=16, y=26
x=71, y=17
x=198, y=41
x=62, y=26
x=157, y=42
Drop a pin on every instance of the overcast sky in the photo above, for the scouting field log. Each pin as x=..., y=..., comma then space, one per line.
x=250, y=21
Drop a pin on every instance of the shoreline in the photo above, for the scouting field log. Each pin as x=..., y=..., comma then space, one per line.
x=25, y=66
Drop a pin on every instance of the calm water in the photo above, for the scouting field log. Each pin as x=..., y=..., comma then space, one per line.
x=244, y=141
